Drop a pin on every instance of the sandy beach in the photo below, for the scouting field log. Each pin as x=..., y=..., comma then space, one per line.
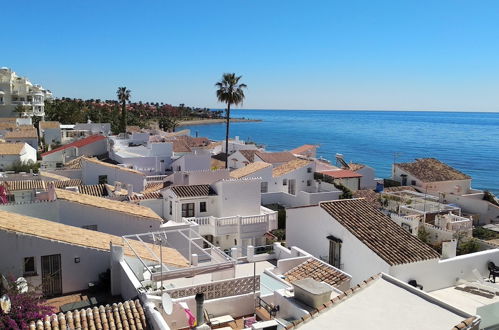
x=214, y=121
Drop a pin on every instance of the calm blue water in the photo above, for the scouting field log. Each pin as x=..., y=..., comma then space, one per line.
x=466, y=141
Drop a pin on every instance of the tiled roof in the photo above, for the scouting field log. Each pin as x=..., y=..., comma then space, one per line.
x=11, y=148
x=249, y=169
x=150, y=195
x=355, y=166
x=249, y=154
x=153, y=187
x=220, y=157
x=49, y=124
x=67, y=183
x=53, y=176
x=46, y=229
x=24, y=185
x=98, y=190
x=198, y=190
x=136, y=210
x=341, y=174
x=126, y=315
x=8, y=125
x=120, y=168
x=303, y=149
x=22, y=134
x=378, y=232
x=74, y=164
x=180, y=146
x=399, y=188
x=369, y=196
x=77, y=144
x=316, y=270
x=290, y=167
x=432, y=170
x=275, y=157
x=133, y=129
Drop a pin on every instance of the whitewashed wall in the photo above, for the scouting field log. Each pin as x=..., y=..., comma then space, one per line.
x=52, y=135
x=367, y=179
x=308, y=228
x=488, y=212
x=41, y=210
x=75, y=276
x=91, y=172
x=238, y=197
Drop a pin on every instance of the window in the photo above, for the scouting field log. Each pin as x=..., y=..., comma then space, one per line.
x=90, y=227
x=171, y=207
x=264, y=187
x=29, y=266
x=202, y=207
x=58, y=165
x=284, y=182
x=309, y=170
x=188, y=210
x=413, y=182
x=335, y=251
x=102, y=179
x=406, y=227
x=309, y=183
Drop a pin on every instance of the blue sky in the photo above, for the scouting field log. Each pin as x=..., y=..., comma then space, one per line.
x=386, y=55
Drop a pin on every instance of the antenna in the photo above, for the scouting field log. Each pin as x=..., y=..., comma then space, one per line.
x=167, y=303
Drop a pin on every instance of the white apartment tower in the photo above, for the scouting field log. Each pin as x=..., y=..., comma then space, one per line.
x=15, y=91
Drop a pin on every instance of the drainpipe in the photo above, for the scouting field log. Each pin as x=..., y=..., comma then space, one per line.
x=199, y=308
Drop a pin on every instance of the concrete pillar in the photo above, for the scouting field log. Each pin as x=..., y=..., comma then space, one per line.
x=116, y=258
x=250, y=252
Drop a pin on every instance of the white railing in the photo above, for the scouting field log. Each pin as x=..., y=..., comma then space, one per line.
x=258, y=224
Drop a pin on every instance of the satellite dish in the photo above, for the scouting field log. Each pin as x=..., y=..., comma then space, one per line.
x=22, y=285
x=166, y=301
x=5, y=304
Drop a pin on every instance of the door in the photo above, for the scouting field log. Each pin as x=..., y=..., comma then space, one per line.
x=51, y=275
x=335, y=253
x=292, y=187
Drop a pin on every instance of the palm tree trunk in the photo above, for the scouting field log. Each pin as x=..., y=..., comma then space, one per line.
x=227, y=137
x=123, y=116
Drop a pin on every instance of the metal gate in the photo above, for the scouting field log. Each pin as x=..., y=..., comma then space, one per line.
x=51, y=275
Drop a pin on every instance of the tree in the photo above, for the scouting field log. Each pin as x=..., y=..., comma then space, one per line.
x=123, y=96
x=229, y=91
x=168, y=124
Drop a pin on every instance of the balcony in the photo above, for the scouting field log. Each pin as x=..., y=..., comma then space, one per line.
x=244, y=226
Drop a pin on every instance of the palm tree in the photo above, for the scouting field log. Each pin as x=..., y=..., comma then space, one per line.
x=123, y=96
x=229, y=91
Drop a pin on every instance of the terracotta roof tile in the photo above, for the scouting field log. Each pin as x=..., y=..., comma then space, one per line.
x=22, y=134
x=50, y=230
x=150, y=195
x=432, y=170
x=77, y=144
x=340, y=174
x=378, y=232
x=126, y=315
x=49, y=124
x=290, y=166
x=275, y=157
x=98, y=190
x=199, y=190
x=355, y=166
x=249, y=169
x=132, y=209
x=316, y=270
x=24, y=185
x=249, y=154
x=11, y=148
x=304, y=149
x=74, y=164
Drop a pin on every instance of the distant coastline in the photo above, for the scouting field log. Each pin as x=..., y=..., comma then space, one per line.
x=214, y=121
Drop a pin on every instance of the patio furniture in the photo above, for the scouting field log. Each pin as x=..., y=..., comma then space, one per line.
x=493, y=271
x=209, y=319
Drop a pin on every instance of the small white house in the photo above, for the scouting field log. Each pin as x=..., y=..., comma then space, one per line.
x=23, y=135
x=50, y=132
x=199, y=161
x=228, y=212
x=61, y=258
x=348, y=178
x=357, y=238
x=11, y=153
x=367, y=179
x=433, y=176
x=94, y=145
x=274, y=158
x=95, y=171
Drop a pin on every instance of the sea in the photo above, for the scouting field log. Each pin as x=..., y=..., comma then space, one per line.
x=467, y=141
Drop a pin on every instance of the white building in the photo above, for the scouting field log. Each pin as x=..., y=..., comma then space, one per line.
x=24, y=133
x=19, y=91
x=348, y=178
x=50, y=132
x=432, y=176
x=367, y=179
x=89, y=212
x=290, y=184
x=228, y=212
x=94, y=128
x=61, y=258
x=94, y=145
x=306, y=150
x=10, y=153
x=94, y=171
x=357, y=238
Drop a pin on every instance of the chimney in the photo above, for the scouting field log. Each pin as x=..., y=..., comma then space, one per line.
x=311, y=292
x=51, y=192
x=199, y=308
x=117, y=186
x=130, y=190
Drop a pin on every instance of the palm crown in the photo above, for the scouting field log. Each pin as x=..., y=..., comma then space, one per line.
x=123, y=95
